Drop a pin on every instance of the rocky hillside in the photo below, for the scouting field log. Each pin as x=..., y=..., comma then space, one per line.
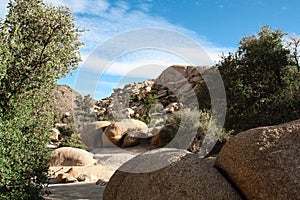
x=177, y=84
x=64, y=97
x=72, y=111
x=154, y=102
x=67, y=100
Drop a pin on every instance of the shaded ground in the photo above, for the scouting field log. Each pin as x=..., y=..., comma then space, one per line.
x=72, y=191
x=109, y=160
x=80, y=190
x=100, y=171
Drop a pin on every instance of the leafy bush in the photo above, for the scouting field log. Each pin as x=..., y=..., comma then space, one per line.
x=38, y=45
x=73, y=141
x=69, y=134
x=69, y=130
x=24, y=156
x=148, y=102
x=261, y=88
x=82, y=111
x=190, y=128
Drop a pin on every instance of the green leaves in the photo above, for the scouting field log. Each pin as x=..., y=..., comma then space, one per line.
x=255, y=77
x=42, y=45
x=38, y=45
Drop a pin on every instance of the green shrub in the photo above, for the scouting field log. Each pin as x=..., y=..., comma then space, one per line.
x=38, y=45
x=73, y=141
x=190, y=128
x=24, y=155
x=149, y=101
x=82, y=111
x=70, y=137
x=261, y=87
x=69, y=132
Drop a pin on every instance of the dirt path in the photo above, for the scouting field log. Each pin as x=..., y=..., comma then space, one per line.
x=72, y=191
x=109, y=160
x=80, y=190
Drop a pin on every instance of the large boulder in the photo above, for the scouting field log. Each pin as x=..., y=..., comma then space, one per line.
x=186, y=83
x=133, y=125
x=264, y=163
x=173, y=73
x=91, y=134
x=115, y=132
x=68, y=156
x=168, y=174
x=132, y=138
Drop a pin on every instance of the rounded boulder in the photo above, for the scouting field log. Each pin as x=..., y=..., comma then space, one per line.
x=168, y=174
x=68, y=156
x=264, y=163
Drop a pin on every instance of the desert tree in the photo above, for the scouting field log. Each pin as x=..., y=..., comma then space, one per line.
x=39, y=44
x=293, y=44
x=256, y=77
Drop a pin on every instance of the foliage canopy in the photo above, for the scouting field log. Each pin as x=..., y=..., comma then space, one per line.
x=262, y=87
x=38, y=45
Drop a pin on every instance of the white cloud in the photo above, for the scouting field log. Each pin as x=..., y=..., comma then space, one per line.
x=132, y=63
x=3, y=9
x=104, y=20
x=108, y=20
x=83, y=6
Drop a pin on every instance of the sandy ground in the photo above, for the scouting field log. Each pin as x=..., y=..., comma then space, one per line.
x=80, y=190
x=72, y=191
x=109, y=160
x=100, y=171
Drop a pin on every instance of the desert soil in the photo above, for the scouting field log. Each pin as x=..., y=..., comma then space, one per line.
x=109, y=160
x=83, y=190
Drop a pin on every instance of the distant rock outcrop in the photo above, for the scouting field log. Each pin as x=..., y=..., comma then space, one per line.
x=64, y=98
x=155, y=102
x=176, y=84
x=72, y=112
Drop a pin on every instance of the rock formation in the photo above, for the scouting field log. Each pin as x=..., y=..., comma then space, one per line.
x=185, y=177
x=177, y=83
x=68, y=156
x=91, y=134
x=264, y=163
x=64, y=98
x=114, y=133
x=156, y=103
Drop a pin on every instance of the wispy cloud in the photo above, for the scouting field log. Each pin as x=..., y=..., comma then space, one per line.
x=104, y=20
x=83, y=6
x=3, y=10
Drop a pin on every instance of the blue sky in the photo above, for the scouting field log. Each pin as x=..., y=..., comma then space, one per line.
x=217, y=26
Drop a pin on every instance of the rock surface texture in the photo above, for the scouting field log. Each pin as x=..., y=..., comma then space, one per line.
x=264, y=163
x=184, y=176
x=154, y=102
x=176, y=83
x=64, y=98
x=68, y=156
x=115, y=133
x=91, y=134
